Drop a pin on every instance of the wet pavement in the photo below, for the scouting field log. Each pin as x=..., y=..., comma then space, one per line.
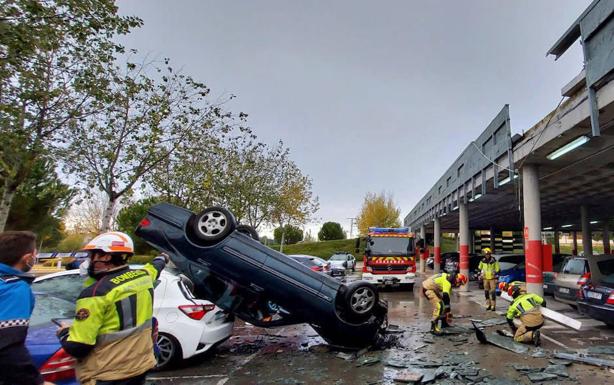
x=297, y=355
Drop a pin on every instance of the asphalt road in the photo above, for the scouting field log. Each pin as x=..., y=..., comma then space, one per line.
x=297, y=355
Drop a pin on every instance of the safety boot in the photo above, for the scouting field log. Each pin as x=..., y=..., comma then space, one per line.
x=537, y=338
x=435, y=329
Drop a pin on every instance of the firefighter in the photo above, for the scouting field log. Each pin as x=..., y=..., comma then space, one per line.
x=111, y=335
x=489, y=270
x=525, y=307
x=438, y=289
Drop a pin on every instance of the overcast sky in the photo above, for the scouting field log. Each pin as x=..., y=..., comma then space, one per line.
x=368, y=95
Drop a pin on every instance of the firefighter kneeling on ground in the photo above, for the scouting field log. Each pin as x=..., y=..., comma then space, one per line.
x=489, y=270
x=525, y=307
x=438, y=289
x=111, y=335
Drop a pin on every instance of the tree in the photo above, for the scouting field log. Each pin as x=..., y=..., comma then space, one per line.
x=378, y=210
x=139, y=123
x=51, y=56
x=86, y=214
x=290, y=234
x=293, y=203
x=39, y=204
x=129, y=217
x=309, y=238
x=331, y=231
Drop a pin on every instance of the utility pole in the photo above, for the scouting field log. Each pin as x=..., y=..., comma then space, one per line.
x=351, y=225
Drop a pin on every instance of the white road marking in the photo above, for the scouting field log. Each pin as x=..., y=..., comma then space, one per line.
x=186, y=377
x=554, y=341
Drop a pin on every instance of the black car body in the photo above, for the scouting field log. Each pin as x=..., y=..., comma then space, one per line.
x=596, y=299
x=258, y=284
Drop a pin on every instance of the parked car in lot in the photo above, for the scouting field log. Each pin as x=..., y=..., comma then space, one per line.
x=187, y=326
x=549, y=276
x=258, y=284
x=512, y=268
x=314, y=263
x=451, y=263
x=54, y=364
x=342, y=261
x=596, y=297
x=566, y=283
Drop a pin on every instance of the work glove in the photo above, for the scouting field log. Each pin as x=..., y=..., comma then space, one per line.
x=512, y=326
x=164, y=256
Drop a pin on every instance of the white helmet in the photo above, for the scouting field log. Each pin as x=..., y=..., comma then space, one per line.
x=111, y=242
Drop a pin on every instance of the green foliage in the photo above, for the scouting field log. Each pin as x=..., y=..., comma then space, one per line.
x=323, y=249
x=130, y=216
x=331, y=231
x=291, y=234
x=378, y=210
x=40, y=203
x=52, y=61
x=72, y=242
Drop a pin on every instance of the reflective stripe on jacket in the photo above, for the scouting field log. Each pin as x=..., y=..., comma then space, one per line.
x=523, y=304
x=439, y=283
x=489, y=267
x=114, y=316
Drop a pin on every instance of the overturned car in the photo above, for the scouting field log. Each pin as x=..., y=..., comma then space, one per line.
x=259, y=285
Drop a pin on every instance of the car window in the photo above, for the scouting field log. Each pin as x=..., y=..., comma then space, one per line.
x=67, y=287
x=606, y=267
x=575, y=266
x=306, y=261
x=608, y=281
x=44, y=255
x=48, y=307
x=63, y=255
x=513, y=259
x=339, y=257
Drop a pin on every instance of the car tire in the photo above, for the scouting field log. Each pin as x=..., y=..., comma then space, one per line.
x=170, y=351
x=360, y=300
x=212, y=225
x=408, y=286
x=249, y=231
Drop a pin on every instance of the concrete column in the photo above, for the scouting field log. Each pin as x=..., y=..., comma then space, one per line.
x=492, y=239
x=532, y=229
x=557, y=244
x=574, y=249
x=422, y=259
x=437, y=245
x=463, y=230
x=606, y=237
x=587, y=239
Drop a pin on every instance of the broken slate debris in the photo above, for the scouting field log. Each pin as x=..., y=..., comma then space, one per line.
x=585, y=359
x=601, y=349
x=559, y=370
x=541, y=376
x=408, y=376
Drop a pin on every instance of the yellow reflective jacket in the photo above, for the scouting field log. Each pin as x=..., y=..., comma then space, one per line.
x=114, y=317
x=489, y=268
x=522, y=304
x=438, y=283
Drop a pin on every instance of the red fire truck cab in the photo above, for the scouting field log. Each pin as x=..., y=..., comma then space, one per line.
x=389, y=257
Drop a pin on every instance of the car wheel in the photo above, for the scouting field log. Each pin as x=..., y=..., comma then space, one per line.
x=409, y=286
x=360, y=300
x=169, y=351
x=353, y=268
x=249, y=231
x=212, y=225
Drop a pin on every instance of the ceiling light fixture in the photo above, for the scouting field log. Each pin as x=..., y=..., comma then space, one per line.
x=568, y=147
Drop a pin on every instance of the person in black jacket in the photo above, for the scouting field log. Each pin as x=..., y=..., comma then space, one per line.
x=17, y=256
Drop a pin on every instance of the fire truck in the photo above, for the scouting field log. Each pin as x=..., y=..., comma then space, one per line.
x=389, y=257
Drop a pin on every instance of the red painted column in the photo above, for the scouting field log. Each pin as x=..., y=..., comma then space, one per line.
x=463, y=228
x=532, y=229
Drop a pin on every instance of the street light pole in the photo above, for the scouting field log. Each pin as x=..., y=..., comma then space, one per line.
x=351, y=225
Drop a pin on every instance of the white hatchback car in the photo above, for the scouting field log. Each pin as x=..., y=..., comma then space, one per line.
x=187, y=326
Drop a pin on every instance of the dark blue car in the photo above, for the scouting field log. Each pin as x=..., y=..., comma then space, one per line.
x=258, y=284
x=512, y=269
x=54, y=364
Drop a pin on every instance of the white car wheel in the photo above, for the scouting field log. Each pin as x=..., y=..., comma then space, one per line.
x=169, y=350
